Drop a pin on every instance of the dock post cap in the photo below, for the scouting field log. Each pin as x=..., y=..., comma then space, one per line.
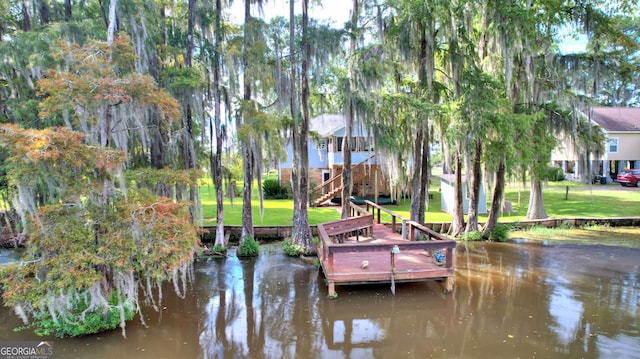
x=395, y=249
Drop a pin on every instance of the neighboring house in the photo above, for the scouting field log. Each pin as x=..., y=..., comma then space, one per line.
x=621, y=126
x=326, y=160
x=447, y=199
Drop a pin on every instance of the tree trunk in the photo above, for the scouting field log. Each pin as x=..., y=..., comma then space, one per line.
x=247, y=215
x=474, y=191
x=111, y=28
x=216, y=166
x=420, y=180
x=293, y=107
x=457, y=222
x=245, y=145
x=347, y=180
x=158, y=154
x=416, y=180
x=189, y=150
x=496, y=200
x=536, y=203
x=424, y=176
x=43, y=8
x=67, y=10
x=26, y=18
x=302, y=235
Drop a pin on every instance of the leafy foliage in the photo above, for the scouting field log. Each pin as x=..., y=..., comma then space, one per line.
x=88, y=240
x=500, y=233
x=102, y=77
x=274, y=190
x=249, y=248
x=555, y=174
x=292, y=249
x=471, y=236
x=82, y=320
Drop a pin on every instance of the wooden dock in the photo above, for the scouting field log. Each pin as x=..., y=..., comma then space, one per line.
x=359, y=250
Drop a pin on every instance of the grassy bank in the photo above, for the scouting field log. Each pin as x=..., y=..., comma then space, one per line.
x=601, y=235
x=600, y=201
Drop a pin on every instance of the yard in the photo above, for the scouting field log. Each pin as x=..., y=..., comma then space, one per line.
x=599, y=201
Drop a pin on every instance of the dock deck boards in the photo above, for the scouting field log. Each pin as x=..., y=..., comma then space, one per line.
x=341, y=261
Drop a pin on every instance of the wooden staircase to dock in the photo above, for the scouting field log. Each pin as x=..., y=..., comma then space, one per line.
x=333, y=186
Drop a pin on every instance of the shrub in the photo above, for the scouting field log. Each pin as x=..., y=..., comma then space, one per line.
x=555, y=174
x=473, y=236
x=272, y=189
x=249, y=248
x=292, y=249
x=500, y=233
x=79, y=322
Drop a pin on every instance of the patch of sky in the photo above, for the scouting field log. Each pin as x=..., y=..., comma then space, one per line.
x=571, y=40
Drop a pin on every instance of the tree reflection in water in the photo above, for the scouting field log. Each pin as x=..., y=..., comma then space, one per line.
x=510, y=300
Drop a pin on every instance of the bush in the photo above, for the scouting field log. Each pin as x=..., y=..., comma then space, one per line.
x=555, y=174
x=219, y=248
x=272, y=189
x=500, y=233
x=79, y=322
x=473, y=236
x=292, y=249
x=249, y=248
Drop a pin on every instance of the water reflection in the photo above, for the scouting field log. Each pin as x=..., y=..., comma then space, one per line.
x=510, y=300
x=565, y=310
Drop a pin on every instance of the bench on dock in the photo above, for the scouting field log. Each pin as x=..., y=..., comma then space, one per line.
x=342, y=229
x=359, y=221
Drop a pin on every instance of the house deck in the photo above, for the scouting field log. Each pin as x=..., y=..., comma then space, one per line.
x=358, y=251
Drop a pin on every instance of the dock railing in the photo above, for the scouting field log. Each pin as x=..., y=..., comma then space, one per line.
x=410, y=228
x=329, y=242
x=359, y=219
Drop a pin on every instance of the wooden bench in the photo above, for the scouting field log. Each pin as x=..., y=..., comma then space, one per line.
x=341, y=229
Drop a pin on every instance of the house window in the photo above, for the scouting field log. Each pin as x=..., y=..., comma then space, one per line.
x=339, y=144
x=613, y=145
x=322, y=144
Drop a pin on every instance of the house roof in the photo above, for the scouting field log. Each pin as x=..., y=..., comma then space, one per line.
x=617, y=119
x=325, y=125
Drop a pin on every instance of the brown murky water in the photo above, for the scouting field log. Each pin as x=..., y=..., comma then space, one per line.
x=511, y=301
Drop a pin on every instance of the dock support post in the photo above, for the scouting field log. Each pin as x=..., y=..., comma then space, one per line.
x=449, y=284
x=332, y=290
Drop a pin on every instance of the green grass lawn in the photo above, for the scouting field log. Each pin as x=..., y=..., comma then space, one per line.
x=277, y=212
x=581, y=202
x=602, y=235
x=599, y=201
